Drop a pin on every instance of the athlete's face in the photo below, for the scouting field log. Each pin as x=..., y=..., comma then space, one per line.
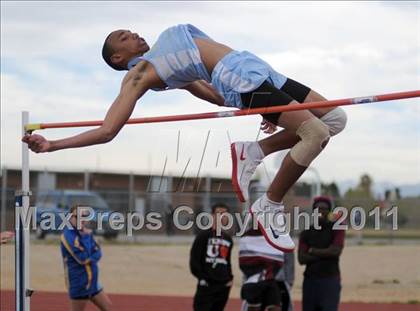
x=323, y=210
x=222, y=214
x=82, y=212
x=126, y=45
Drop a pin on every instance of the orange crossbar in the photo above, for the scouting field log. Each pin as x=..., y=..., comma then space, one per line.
x=235, y=113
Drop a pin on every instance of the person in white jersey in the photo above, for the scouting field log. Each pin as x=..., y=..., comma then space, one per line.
x=185, y=57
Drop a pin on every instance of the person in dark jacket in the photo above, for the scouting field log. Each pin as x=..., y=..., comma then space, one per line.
x=320, y=250
x=210, y=263
x=81, y=255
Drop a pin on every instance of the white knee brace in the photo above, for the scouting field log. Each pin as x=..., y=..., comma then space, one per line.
x=313, y=134
x=335, y=120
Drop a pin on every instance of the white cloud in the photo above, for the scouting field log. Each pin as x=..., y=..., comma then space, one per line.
x=376, y=141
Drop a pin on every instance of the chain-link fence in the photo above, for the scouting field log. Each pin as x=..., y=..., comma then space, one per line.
x=165, y=195
x=372, y=213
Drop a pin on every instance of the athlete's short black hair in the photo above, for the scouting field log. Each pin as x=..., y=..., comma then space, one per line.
x=323, y=199
x=219, y=205
x=107, y=52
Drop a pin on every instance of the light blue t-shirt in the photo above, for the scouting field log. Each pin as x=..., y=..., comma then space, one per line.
x=175, y=56
x=177, y=61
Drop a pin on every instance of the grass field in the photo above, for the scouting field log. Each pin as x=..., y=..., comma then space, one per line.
x=369, y=273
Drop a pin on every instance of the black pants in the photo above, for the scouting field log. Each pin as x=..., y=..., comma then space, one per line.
x=321, y=294
x=284, y=296
x=211, y=298
x=263, y=294
x=266, y=95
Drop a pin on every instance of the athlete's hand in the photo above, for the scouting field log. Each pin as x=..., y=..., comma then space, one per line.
x=37, y=143
x=268, y=127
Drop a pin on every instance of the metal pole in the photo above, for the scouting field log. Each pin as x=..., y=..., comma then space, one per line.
x=19, y=255
x=22, y=233
x=131, y=192
x=86, y=181
x=207, y=195
x=3, y=199
x=317, y=181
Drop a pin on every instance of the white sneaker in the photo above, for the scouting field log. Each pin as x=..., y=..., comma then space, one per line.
x=272, y=223
x=243, y=167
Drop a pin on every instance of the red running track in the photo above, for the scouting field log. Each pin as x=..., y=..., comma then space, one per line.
x=47, y=301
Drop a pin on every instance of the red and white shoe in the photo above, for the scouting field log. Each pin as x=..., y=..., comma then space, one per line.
x=243, y=167
x=272, y=223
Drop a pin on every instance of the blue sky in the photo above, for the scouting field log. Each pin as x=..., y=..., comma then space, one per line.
x=51, y=66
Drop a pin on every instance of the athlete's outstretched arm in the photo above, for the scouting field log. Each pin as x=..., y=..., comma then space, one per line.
x=205, y=90
x=131, y=90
